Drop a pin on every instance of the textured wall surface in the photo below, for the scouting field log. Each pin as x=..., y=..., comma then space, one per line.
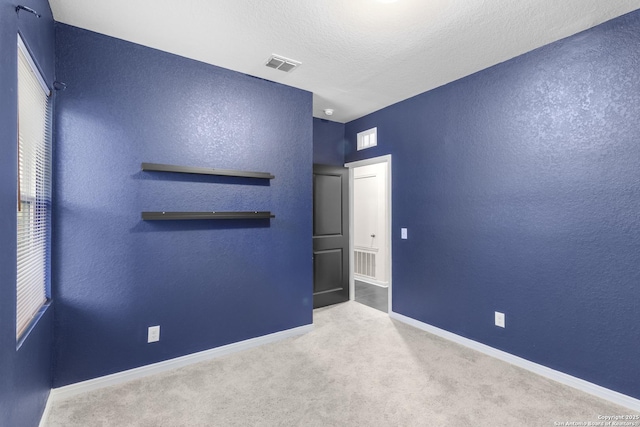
x=206, y=283
x=520, y=187
x=25, y=374
x=328, y=142
x=358, y=56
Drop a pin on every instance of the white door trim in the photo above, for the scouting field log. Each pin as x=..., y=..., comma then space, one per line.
x=375, y=160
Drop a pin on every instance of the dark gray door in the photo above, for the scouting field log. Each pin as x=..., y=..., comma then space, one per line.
x=330, y=235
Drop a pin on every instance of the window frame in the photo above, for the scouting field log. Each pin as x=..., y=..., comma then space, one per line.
x=367, y=139
x=33, y=245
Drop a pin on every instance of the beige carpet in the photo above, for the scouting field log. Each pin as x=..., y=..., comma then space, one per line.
x=357, y=368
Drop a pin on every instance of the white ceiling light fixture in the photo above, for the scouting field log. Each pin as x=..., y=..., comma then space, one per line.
x=281, y=63
x=328, y=111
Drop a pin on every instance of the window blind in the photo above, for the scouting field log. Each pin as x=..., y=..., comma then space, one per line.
x=34, y=191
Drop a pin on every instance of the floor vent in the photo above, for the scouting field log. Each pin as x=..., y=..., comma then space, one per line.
x=365, y=263
x=281, y=63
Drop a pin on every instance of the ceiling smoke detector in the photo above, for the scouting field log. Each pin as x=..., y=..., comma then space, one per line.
x=281, y=63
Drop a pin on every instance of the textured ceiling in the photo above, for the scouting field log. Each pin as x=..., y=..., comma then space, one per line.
x=357, y=55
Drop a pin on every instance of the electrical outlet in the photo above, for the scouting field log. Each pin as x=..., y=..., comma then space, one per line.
x=403, y=233
x=500, y=319
x=153, y=334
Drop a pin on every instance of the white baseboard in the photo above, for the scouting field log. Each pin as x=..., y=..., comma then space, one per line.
x=167, y=365
x=561, y=377
x=45, y=413
x=370, y=281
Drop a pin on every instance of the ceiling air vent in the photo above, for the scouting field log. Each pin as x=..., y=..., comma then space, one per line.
x=281, y=63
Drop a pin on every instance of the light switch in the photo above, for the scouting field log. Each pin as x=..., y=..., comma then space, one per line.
x=403, y=233
x=499, y=319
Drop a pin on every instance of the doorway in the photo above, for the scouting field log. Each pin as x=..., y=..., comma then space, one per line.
x=370, y=237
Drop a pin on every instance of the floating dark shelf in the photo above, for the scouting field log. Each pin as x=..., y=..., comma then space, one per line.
x=157, y=167
x=164, y=216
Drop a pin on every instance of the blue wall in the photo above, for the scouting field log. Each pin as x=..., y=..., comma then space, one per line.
x=520, y=187
x=25, y=374
x=206, y=283
x=328, y=142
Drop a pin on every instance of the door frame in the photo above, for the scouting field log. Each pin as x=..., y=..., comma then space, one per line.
x=351, y=165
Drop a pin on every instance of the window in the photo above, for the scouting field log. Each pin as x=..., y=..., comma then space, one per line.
x=367, y=139
x=34, y=191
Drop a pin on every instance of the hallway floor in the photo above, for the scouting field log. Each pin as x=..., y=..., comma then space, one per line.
x=372, y=295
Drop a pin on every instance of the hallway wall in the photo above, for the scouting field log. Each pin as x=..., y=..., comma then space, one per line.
x=328, y=142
